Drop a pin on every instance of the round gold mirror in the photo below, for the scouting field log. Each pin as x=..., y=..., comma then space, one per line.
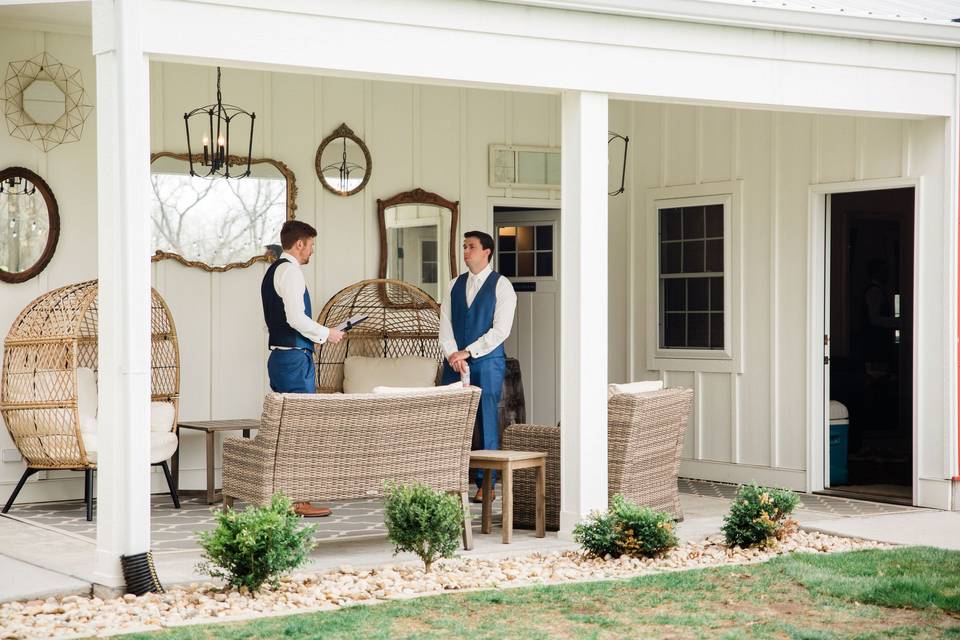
x=343, y=162
x=29, y=224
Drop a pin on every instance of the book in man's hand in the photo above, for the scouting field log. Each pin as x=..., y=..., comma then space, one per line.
x=351, y=322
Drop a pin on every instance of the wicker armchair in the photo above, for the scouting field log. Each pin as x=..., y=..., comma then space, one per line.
x=322, y=447
x=645, y=439
x=402, y=320
x=53, y=336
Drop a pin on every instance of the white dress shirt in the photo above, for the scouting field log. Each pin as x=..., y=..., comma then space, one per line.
x=289, y=284
x=502, y=315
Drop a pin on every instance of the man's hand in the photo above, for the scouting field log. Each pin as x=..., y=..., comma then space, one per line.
x=335, y=335
x=458, y=360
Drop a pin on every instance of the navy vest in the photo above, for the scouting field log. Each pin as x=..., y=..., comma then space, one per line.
x=281, y=333
x=469, y=323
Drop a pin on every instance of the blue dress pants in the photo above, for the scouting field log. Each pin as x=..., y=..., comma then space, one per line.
x=487, y=374
x=291, y=371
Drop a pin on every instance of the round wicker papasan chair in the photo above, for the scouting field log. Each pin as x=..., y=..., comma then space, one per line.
x=48, y=391
x=402, y=320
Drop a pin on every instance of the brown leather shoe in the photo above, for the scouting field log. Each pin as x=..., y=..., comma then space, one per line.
x=478, y=496
x=307, y=510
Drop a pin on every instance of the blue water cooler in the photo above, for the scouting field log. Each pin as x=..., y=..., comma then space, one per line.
x=839, y=439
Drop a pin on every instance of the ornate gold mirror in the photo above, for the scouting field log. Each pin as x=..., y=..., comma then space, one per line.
x=343, y=162
x=218, y=224
x=418, y=240
x=29, y=224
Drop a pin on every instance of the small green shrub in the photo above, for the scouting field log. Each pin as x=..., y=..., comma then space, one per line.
x=626, y=530
x=759, y=516
x=257, y=545
x=423, y=521
x=598, y=535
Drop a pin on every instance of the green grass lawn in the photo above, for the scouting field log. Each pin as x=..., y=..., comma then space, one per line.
x=902, y=593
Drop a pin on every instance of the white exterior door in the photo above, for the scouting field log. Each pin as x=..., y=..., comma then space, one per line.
x=528, y=253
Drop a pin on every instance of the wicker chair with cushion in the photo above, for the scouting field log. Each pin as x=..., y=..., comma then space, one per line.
x=48, y=392
x=645, y=439
x=403, y=322
x=322, y=447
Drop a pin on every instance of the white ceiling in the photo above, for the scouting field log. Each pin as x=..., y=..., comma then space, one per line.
x=71, y=17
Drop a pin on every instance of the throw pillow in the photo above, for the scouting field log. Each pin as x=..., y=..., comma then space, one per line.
x=643, y=386
x=361, y=374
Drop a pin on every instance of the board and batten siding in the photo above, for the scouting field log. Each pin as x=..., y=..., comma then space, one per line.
x=754, y=424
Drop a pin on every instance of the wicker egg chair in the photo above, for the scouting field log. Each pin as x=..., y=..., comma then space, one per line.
x=402, y=320
x=50, y=340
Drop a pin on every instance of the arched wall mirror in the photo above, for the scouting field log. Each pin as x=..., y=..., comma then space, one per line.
x=29, y=224
x=343, y=162
x=218, y=224
x=418, y=240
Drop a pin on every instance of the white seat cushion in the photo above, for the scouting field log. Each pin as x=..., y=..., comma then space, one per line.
x=87, y=396
x=361, y=374
x=399, y=391
x=643, y=386
x=161, y=416
x=162, y=444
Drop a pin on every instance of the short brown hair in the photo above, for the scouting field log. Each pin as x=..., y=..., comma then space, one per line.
x=294, y=230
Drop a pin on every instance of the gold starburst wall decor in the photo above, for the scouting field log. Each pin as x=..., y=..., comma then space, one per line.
x=44, y=101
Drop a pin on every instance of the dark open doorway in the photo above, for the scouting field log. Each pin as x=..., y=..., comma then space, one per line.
x=870, y=322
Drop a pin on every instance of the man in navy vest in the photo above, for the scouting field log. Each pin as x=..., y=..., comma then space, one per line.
x=475, y=319
x=287, y=311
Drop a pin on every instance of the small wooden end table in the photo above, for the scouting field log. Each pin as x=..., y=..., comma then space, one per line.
x=210, y=428
x=506, y=462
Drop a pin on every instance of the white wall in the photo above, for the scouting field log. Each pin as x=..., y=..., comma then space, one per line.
x=70, y=170
x=759, y=419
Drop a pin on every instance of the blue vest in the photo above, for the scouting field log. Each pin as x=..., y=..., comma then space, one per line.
x=469, y=323
x=281, y=333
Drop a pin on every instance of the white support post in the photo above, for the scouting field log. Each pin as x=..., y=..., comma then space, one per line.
x=583, y=298
x=123, y=235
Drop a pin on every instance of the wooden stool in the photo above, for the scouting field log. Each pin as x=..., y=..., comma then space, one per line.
x=506, y=462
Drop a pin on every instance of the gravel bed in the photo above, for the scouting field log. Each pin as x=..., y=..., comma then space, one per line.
x=82, y=616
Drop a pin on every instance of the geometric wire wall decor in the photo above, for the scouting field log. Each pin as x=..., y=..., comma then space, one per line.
x=44, y=101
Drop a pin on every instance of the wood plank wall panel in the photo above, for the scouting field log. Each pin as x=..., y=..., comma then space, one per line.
x=792, y=198
x=756, y=168
x=881, y=150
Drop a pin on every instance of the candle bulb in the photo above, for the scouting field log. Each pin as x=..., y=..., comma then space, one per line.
x=206, y=156
x=221, y=145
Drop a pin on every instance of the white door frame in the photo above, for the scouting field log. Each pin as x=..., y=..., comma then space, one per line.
x=817, y=306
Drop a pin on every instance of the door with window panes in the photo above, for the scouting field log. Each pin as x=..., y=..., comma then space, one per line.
x=527, y=253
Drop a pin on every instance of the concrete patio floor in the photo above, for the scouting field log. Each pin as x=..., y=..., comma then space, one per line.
x=50, y=561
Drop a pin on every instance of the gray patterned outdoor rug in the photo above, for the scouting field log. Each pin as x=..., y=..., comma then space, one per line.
x=175, y=530
x=834, y=505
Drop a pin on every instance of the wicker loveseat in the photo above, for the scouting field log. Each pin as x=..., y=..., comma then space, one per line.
x=323, y=447
x=645, y=438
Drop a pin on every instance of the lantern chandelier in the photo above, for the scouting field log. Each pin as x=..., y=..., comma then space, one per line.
x=17, y=186
x=217, y=119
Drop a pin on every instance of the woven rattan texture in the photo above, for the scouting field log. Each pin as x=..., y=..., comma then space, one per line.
x=340, y=446
x=644, y=441
x=53, y=336
x=401, y=320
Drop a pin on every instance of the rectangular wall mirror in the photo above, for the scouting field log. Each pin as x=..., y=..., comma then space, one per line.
x=217, y=224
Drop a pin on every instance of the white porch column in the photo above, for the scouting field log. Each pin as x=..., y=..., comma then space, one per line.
x=123, y=164
x=583, y=321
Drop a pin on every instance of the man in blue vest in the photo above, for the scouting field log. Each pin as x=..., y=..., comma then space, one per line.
x=287, y=311
x=475, y=319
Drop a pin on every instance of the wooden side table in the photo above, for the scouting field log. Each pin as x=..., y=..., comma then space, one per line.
x=210, y=428
x=506, y=462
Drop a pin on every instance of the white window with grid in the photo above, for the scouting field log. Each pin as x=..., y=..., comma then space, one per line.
x=693, y=275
